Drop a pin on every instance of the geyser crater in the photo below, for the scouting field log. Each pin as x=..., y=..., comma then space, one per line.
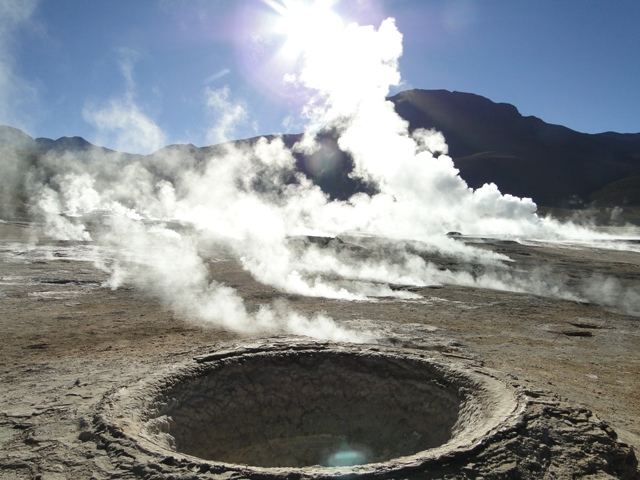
x=312, y=408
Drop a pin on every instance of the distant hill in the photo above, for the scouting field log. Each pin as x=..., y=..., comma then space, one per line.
x=524, y=156
x=557, y=167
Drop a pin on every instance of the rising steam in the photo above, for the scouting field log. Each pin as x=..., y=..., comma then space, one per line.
x=248, y=201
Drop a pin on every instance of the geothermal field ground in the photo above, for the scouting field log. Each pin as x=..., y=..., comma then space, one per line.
x=74, y=351
x=413, y=285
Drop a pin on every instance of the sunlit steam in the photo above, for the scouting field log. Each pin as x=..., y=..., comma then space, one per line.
x=247, y=201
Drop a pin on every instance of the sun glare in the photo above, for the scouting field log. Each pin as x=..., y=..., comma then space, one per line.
x=305, y=25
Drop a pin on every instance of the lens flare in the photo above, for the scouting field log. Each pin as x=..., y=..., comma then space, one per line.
x=348, y=456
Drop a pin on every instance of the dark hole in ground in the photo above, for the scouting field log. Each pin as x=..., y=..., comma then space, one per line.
x=297, y=410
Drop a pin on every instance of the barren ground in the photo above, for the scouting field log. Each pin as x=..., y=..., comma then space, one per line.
x=66, y=340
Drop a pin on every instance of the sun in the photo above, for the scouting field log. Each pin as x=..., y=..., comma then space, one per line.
x=305, y=25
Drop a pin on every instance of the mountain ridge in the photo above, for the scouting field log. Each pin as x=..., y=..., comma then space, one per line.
x=489, y=142
x=554, y=165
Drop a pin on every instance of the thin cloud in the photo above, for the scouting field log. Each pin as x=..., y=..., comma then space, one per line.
x=227, y=115
x=15, y=92
x=120, y=122
x=216, y=76
x=123, y=126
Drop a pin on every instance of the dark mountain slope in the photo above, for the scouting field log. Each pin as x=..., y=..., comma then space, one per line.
x=524, y=156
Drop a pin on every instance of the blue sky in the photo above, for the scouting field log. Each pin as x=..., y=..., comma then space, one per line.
x=175, y=68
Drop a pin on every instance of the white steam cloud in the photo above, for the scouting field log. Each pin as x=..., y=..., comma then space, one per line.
x=247, y=201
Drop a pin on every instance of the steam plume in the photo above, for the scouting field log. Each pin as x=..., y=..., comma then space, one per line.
x=248, y=201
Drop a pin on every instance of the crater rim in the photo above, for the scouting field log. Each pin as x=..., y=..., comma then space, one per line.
x=490, y=404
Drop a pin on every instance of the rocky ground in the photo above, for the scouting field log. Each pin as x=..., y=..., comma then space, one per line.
x=67, y=341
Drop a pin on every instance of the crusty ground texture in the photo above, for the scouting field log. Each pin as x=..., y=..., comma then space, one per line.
x=67, y=341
